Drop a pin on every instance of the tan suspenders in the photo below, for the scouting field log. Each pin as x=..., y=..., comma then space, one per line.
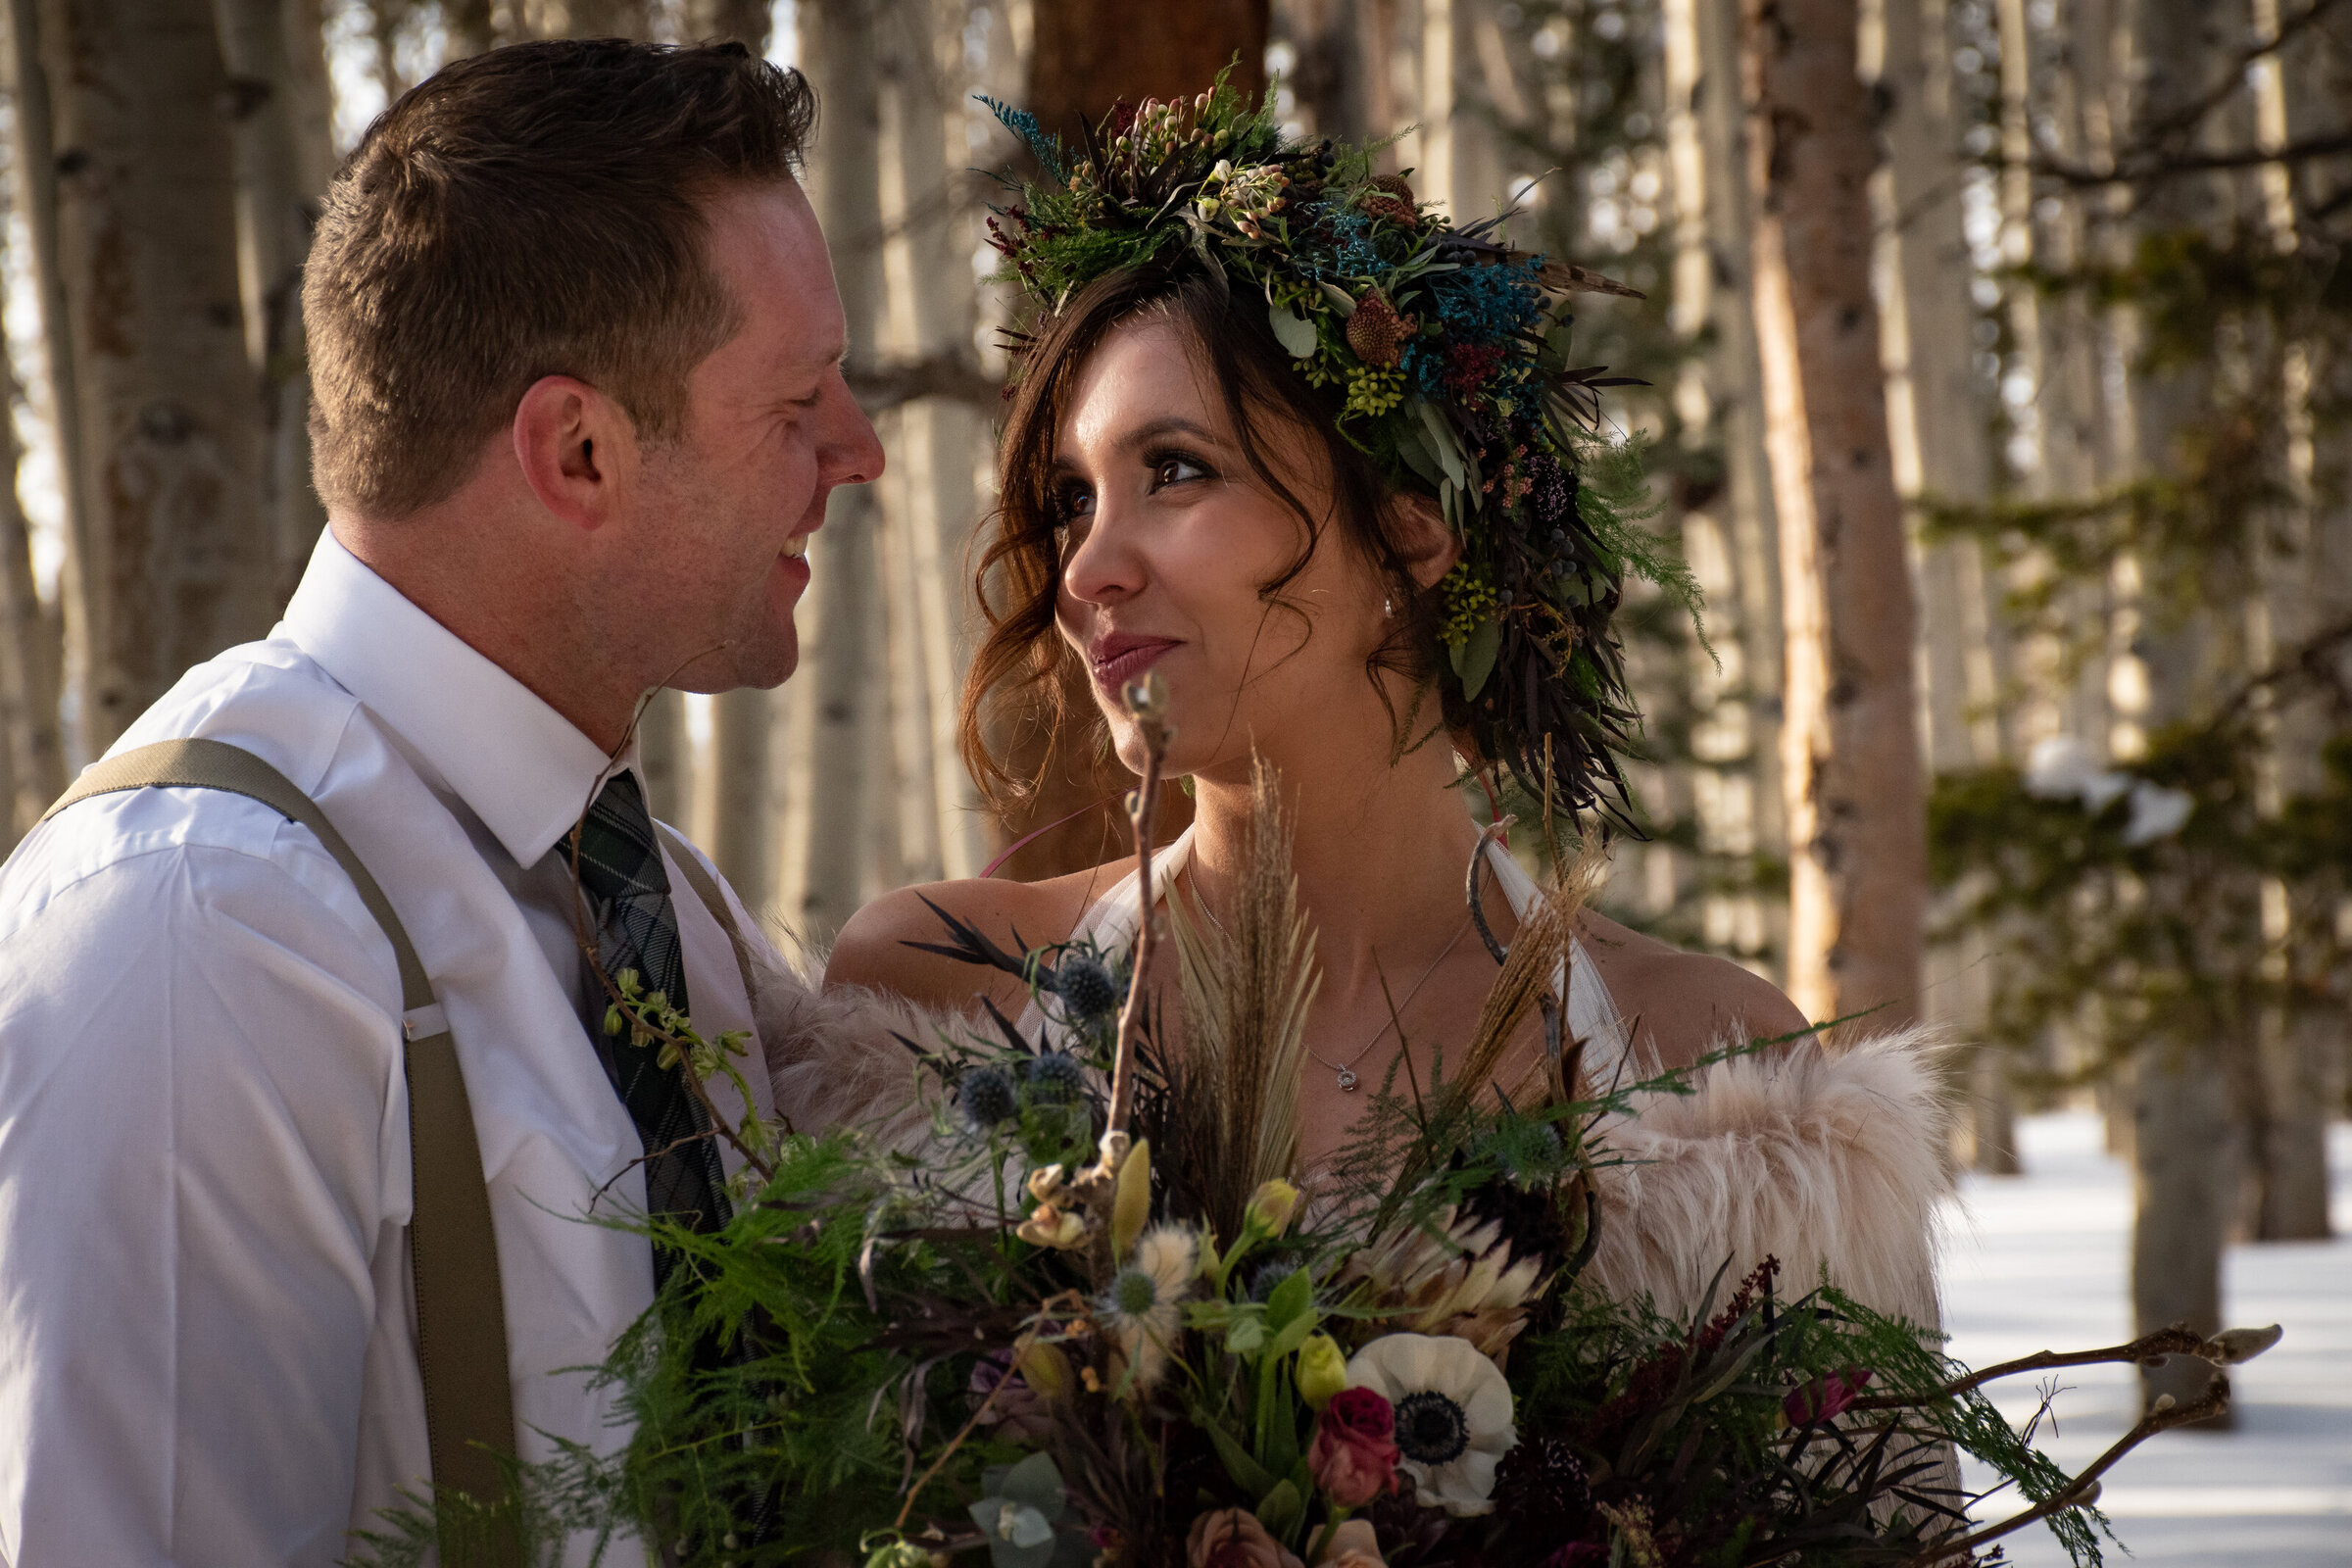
x=453, y=1253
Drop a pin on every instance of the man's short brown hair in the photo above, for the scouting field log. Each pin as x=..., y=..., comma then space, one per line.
x=534, y=211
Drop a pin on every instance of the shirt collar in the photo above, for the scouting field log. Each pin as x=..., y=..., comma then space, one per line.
x=520, y=765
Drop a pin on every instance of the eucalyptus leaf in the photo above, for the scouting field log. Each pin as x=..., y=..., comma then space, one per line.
x=1340, y=299
x=1035, y=1482
x=1442, y=441
x=1296, y=335
x=1414, y=449
x=1477, y=661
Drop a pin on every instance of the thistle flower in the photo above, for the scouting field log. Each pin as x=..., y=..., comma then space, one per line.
x=1086, y=987
x=1452, y=1411
x=988, y=1096
x=1140, y=1309
x=1056, y=1077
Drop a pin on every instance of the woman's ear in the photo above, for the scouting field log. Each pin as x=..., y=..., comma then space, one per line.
x=1429, y=547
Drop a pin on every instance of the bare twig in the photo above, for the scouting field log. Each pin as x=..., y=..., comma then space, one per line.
x=1069, y=1301
x=2081, y=1489
x=2175, y=1340
x=1148, y=701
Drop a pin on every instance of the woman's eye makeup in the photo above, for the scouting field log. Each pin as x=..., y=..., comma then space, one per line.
x=1177, y=467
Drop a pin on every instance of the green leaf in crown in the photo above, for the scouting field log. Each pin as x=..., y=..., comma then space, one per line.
x=1448, y=357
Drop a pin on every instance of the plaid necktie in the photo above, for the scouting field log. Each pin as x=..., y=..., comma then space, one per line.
x=620, y=867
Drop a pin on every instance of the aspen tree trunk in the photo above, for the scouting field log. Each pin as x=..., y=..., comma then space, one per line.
x=747, y=21
x=1331, y=78
x=472, y=30
x=663, y=751
x=741, y=812
x=30, y=731
x=174, y=559
x=276, y=210
x=1086, y=55
x=33, y=192
x=2303, y=591
x=1938, y=426
x=933, y=307
x=1850, y=748
x=1754, y=816
x=2187, y=1151
x=835, y=703
x=1466, y=85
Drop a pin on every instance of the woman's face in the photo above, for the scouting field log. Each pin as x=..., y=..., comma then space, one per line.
x=1169, y=537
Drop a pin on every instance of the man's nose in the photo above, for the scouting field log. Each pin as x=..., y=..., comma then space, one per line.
x=852, y=451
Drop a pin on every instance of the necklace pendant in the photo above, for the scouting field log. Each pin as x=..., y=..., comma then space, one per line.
x=1348, y=1080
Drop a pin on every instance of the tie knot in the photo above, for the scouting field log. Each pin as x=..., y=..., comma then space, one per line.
x=615, y=854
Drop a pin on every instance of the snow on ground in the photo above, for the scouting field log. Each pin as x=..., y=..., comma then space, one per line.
x=2041, y=1262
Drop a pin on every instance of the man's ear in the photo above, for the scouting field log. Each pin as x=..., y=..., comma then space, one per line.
x=575, y=447
x=1430, y=548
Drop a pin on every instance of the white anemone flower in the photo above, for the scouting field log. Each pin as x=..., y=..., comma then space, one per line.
x=1141, y=1306
x=1453, y=1415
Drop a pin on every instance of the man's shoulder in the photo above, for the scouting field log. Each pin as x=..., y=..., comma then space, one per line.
x=266, y=698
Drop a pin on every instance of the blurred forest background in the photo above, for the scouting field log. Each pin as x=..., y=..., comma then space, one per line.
x=1996, y=377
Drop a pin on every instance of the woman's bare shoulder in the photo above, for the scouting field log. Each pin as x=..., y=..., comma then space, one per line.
x=1685, y=1004
x=874, y=948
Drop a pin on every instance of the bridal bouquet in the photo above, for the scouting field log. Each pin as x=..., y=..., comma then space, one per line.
x=1083, y=1318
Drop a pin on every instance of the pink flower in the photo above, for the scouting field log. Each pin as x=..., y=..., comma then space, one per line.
x=1824, y=1401
x=1232, y=1537
x=1353, y=1457
x=1352, y=1546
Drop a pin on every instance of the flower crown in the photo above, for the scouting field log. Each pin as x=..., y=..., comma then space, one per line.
x=1452, y=353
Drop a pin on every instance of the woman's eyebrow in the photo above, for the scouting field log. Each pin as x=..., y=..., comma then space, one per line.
x=1173, y=424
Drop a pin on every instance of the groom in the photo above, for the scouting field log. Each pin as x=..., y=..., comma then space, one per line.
x=576, y=351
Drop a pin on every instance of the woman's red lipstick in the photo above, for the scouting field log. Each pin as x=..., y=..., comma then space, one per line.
x=1120, y=657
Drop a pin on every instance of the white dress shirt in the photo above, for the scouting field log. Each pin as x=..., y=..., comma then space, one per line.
x=207, y=1336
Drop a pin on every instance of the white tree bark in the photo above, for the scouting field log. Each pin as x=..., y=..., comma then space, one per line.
x=281, y=173
x=932, y=310
x=1850, y=750
x=1938, y=424
x=835, y=702
x=173, y=559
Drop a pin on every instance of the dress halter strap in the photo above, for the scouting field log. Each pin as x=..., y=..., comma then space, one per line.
x=1591, y=1016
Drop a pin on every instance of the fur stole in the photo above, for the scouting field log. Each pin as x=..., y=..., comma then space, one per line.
x=1823, y=1159
x=833, y=1055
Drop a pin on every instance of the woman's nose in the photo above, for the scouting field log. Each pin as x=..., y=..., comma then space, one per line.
x=1104, y=567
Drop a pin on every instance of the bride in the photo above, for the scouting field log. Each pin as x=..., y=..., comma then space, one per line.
x=1178, y=498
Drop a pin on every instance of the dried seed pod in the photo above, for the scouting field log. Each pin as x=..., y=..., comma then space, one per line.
x=1376, y=331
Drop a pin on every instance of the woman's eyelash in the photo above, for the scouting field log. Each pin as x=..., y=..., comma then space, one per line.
x=1158, y=461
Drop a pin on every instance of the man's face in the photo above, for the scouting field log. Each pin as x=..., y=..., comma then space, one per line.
x=726, y=514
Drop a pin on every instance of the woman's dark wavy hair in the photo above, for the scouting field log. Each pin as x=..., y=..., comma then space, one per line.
x=1016, y=683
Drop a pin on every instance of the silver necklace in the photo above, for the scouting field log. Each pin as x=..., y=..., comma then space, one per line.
x=1344, y=1073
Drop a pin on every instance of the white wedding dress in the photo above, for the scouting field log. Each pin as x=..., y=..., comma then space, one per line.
x=1591, y=1016
x=1820, y=1158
